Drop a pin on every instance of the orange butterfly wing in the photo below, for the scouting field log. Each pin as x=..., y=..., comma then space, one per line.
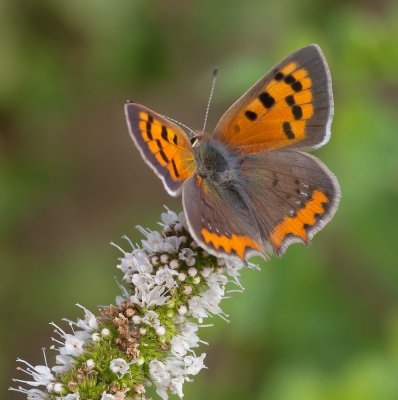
x=163, y=145
x=291, y=106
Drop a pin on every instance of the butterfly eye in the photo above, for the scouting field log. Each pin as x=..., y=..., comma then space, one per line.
x=196, y=139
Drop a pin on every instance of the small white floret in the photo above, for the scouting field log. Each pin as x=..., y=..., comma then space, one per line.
x=161, y=330
x=206, y=272
x=140, y=361
x=142, y=331
x=182, y=276
x=73, y=345
x=178, y=227
x=50, y=387
x=174, y=264
x=187, y=289
x=220, y=262
x=58, y=387
x=155, y=261
x=182, y=310
x=105, y=332
x=119, y=366
x=96, y=337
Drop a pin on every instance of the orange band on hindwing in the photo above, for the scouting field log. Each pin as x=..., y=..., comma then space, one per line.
x=305, y=218
x=230, y=244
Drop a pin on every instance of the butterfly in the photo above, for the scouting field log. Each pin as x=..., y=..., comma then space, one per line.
x=250, y=187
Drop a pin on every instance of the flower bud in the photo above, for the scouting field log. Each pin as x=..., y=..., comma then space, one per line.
x=182, y=310
x=206, y=272
x=174, y=264
x=188, y=290
x=161, y=330
x=95, y=337
x=142, y=331
x=182, y=276
x=58, y=388
x=106, y=333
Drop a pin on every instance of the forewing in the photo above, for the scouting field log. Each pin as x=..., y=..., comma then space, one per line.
x=292, y=105
x=162, y=144
x=293, y=194
x=219, y=220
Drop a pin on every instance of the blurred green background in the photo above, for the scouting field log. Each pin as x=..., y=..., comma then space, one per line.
x=319, y=323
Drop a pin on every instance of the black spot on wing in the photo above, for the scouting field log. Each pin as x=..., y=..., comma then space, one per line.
x=175, y=168
x=289, y=79
x=287, y=129
x=297, y=86
x=164, y=134
x=290, y=100
x=297, y=112
x=148, y=130
x=251, y=115
x=149, y=127
x=161, y=152
x=266, y=100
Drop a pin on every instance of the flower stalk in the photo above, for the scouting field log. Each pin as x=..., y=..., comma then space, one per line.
x=150, y=336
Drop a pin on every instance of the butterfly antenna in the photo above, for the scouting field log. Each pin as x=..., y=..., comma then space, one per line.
x=179, y=123
x=213, y=84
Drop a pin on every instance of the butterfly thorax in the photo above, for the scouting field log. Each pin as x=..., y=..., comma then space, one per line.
x=214, y=162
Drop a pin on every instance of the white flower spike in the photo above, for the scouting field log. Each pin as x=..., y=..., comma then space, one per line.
x=150, y=336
